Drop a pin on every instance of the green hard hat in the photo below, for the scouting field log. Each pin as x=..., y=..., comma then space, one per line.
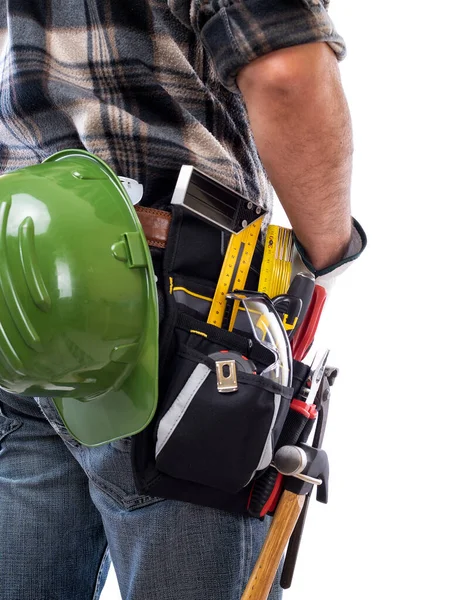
x=78, y=302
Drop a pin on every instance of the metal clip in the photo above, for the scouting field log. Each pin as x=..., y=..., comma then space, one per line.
x=316, y=373
x=226, y=376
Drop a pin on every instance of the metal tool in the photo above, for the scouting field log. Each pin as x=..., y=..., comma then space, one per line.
x=299, y=473
x=300, y=420
x=214, y=202
x=224, y=208
x=299, y=424
x=314, y=471
x=292, y=462
x=322, y=400
x=316, y=373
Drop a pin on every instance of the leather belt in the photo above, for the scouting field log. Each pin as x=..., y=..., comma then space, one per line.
x=155, y=224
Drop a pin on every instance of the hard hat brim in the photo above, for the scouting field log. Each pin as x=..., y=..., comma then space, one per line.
x=116, y=414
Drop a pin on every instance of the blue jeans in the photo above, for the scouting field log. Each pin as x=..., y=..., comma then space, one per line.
x=65, y=509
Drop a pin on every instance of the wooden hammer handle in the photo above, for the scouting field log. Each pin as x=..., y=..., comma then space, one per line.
x=286, y=516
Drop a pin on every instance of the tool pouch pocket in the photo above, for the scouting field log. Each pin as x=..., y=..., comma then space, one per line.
x=215, y=438
x=204, y=446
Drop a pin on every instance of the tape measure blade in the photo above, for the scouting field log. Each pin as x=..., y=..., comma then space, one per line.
x=283, y=277
x=266, y=275
x=276, y=279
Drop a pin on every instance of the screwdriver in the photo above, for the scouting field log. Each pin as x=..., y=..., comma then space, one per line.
x=293, y=305
x=302, y=286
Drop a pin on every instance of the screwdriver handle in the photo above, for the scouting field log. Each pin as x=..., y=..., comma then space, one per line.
x=302, y=286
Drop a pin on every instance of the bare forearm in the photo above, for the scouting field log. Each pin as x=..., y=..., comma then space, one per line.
x=301, y=124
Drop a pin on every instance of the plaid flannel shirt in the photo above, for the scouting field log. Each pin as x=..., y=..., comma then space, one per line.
x=147, y=85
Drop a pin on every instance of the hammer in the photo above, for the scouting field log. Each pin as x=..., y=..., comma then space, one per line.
x=306, y=467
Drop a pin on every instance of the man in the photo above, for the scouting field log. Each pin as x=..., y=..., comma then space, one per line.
x=241, y=90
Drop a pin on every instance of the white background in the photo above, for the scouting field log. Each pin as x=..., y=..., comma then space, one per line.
x=385, y=532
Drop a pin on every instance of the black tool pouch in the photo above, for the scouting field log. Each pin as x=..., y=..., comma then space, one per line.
x=218, y=439
x=205, y=446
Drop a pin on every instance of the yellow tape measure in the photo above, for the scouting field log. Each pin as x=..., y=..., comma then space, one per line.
x=235, y=268
x=276, y=264
x=268, y=261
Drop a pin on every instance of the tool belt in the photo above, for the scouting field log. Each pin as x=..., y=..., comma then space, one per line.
x=204, y=446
